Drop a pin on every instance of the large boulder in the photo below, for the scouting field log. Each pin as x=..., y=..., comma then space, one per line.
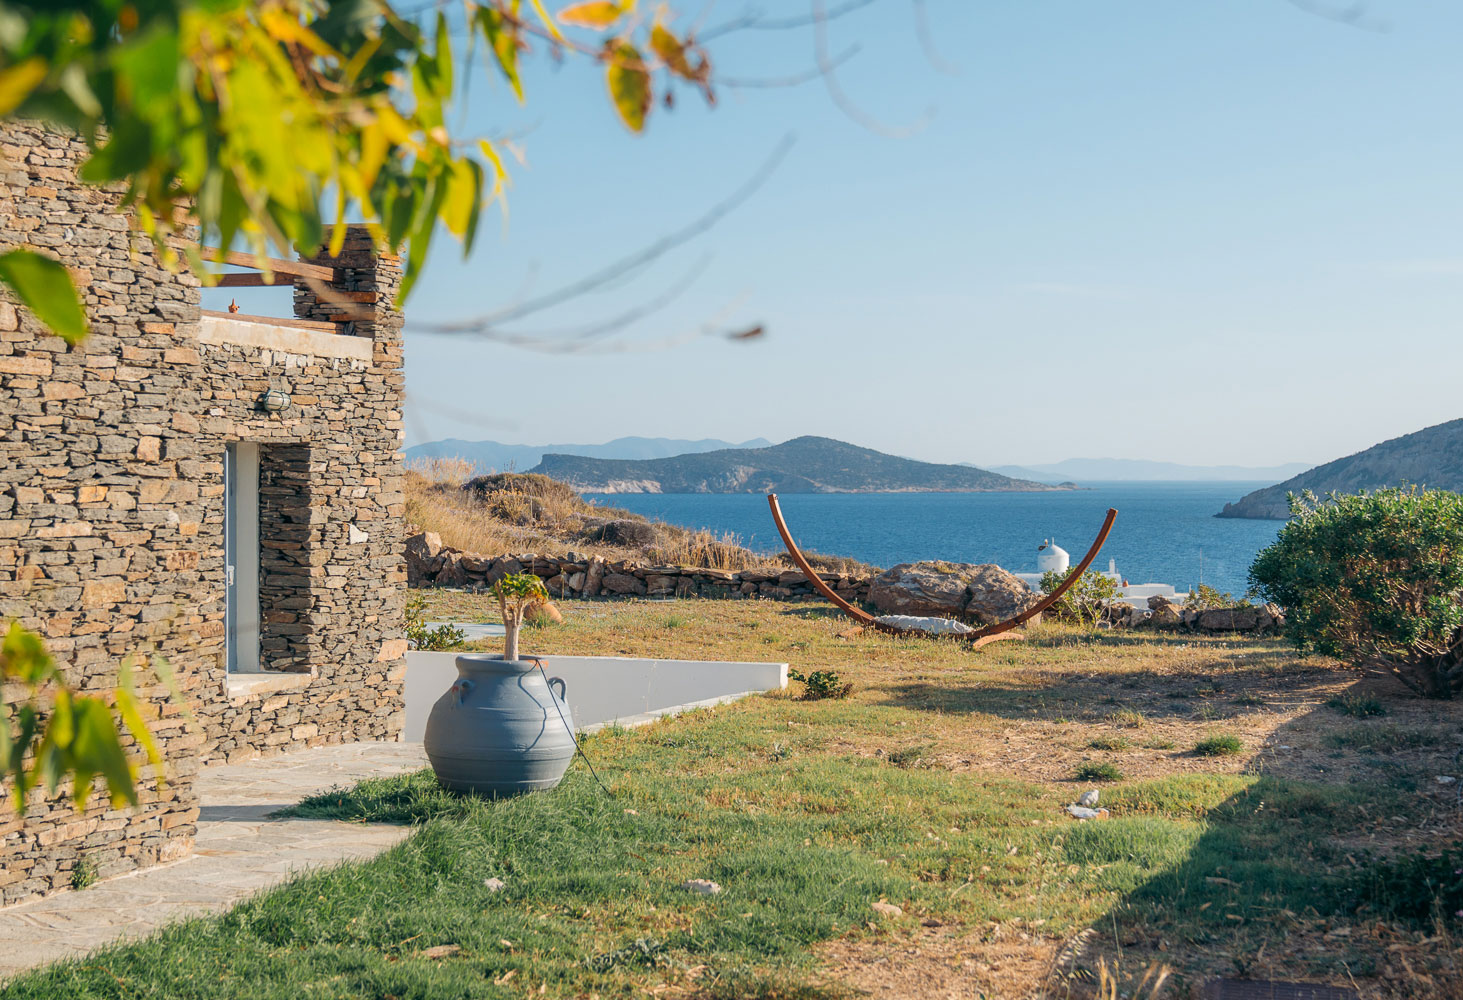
x=985, y=593
x=1244, y=619
x=422, y=550
x=1165, y=615
x=995, y=595
x=594, y=576
x=623, y=583
x=922, y=589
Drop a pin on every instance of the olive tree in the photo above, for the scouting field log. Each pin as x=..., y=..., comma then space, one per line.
x=1374, y=579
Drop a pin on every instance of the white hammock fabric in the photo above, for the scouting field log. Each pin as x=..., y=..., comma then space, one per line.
x=930, y=626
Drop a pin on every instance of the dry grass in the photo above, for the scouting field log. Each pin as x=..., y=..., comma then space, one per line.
x=513, y=513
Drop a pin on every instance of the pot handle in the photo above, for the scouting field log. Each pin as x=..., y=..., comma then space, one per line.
x=462, y=687
x=563, y=688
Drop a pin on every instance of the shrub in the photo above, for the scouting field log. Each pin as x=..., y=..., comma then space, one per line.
x=1224, y=745
x=1093, y=771
x=1357, y=706
x=1085, y=602
x=1374, y=579
x=85, y=874
x=1207, y=598
x=419, y=636
x=821, y=684
x=1415, y=888
x=912, y=757
x=1127, y=718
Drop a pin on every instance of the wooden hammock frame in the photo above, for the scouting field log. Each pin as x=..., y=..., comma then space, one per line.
x=978, y=638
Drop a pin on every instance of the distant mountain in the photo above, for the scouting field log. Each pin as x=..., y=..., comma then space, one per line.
x=491, y=456
x=802, y=465
x=1429, y=457
x=1139, y=470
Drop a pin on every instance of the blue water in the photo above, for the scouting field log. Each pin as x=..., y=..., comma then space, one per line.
x=1161, y=530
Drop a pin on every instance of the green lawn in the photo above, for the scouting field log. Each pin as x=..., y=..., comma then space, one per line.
x=939, y=786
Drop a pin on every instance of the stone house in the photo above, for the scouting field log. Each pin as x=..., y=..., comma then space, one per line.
x=222, y=492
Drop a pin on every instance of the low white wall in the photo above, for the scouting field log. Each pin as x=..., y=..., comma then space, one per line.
x=604, y=689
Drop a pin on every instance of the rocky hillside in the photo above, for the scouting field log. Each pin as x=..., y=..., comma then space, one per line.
x=490, y=516
x=802, y=465
x=1431, y=457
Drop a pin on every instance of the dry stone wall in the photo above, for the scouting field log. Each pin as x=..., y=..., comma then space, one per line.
x=432, y=564
x=429, y=563
x=112, y=512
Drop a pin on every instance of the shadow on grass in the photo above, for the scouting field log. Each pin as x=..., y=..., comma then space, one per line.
x=1216, y=872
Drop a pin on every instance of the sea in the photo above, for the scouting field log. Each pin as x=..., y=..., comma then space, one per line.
x=1166, y=532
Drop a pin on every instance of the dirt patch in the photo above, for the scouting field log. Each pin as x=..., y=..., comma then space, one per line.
x=943, y=963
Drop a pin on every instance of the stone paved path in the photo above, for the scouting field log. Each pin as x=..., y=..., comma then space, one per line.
x=239, y=851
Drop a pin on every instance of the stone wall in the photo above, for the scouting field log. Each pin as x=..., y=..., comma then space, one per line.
x=112, y=511
x=430, y=563
x=575, y=575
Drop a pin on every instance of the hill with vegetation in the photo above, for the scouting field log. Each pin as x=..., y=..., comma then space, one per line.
x=1430, y=457
x=802, y=465
x=510, y=513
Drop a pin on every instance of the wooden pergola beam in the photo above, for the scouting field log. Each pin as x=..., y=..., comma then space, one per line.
x=275, y=265
x=254, y=280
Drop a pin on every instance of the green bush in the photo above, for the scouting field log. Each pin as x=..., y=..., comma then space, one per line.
x=1093, y=771
x=1225, y=745
x=1207, y=598
x=418, y=636
x=821, y=684
x=1085, y=602
x=1374, y=579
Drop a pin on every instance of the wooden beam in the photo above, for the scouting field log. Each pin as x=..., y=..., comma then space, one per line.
x=274, y=264
x=254, y=281
x=298, y=324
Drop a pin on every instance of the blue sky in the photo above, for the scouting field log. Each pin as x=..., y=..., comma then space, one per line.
x=1215, y=231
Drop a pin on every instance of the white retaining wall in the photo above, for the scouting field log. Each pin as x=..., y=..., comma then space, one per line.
x=604, y=689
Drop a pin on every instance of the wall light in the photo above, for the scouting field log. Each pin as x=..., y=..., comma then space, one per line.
x=274, y=400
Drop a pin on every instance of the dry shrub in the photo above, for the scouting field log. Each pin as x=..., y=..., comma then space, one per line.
x=441, y=470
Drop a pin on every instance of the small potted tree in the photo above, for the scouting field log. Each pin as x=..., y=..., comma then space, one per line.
x=517, y=593
x=501, y=729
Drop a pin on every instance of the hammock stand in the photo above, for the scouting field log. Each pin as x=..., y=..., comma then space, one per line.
x=976, y=639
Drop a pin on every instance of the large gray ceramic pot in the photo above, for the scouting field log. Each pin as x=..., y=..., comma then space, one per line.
x=500, y=729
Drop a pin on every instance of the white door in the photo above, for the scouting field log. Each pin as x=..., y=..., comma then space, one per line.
x=241, y=556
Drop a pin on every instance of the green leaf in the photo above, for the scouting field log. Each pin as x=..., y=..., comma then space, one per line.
x=629, y=83
x=46, y=289
x=147, y=69
x=504, y=44
x=132, y=717
x=97, y=750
